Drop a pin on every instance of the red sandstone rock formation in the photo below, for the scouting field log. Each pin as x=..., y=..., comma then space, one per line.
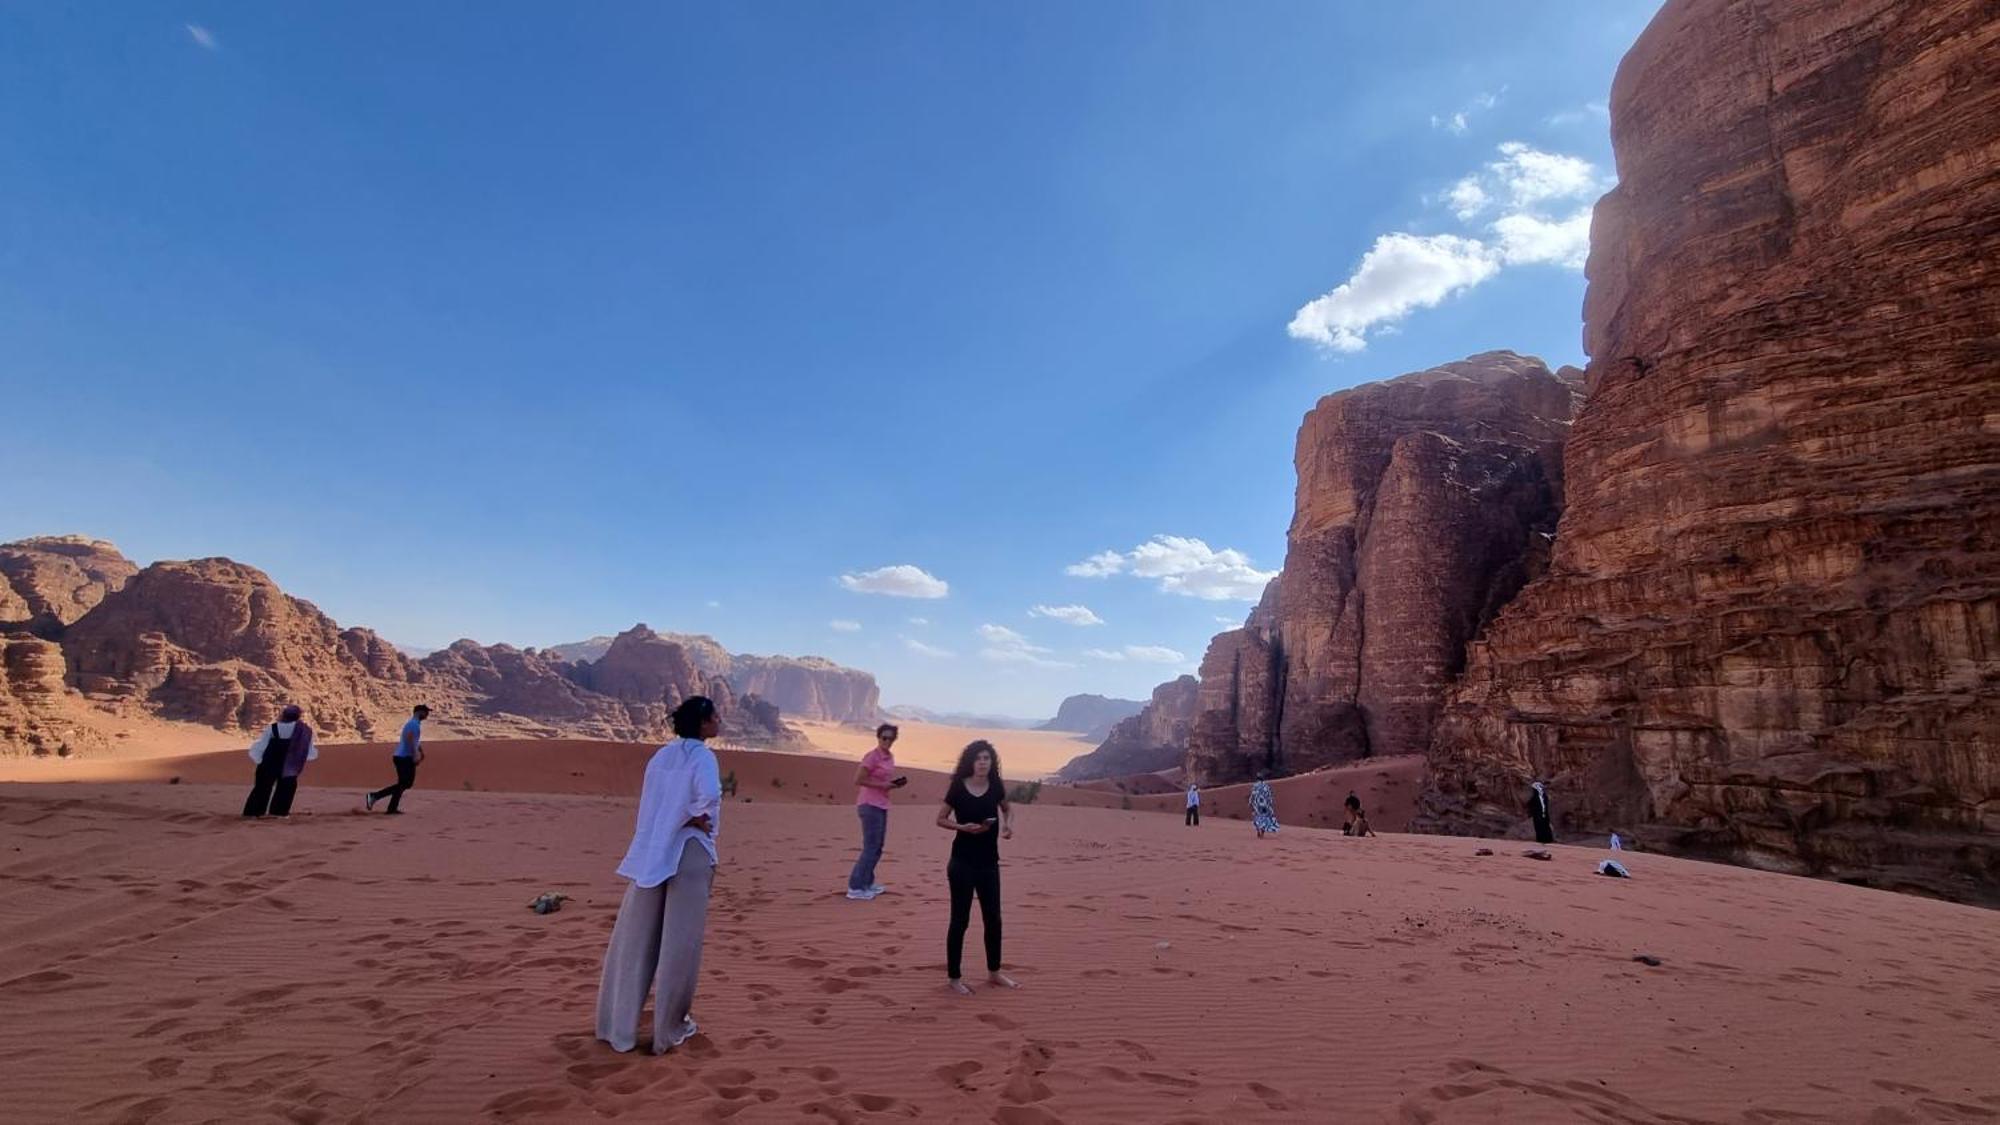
x=1154, y=739
x=1423, y=504
x=52, y=580
x=216, y=642
x=805, y=687
x=809, y=687
x=651, y=674
x=1771, y=626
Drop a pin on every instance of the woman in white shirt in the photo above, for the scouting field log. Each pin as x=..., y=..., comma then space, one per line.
x=281, y=754
x=656, y=943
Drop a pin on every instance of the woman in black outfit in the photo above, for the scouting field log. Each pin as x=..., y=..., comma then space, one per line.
x=975, y=810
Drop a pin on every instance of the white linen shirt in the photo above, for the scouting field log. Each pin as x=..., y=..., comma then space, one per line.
x=682, y=782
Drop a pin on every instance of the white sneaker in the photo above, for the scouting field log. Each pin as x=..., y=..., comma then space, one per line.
x=862, y=896
x=877, y=889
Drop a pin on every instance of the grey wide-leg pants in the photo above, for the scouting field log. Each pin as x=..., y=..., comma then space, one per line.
x=656, y=944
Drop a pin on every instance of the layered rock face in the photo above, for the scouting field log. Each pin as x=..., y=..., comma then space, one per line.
x=651, y=674
x=1092, y=715
x=1154, y=739
x=1770, y=630
x=49, y=581
x=805, y=687
x=809, y=687
x=1423, y=504
x=215, y=642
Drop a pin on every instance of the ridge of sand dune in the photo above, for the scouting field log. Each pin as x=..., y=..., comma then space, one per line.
x=167, y=962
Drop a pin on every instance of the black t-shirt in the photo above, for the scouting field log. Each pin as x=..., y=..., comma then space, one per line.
x=967, y=808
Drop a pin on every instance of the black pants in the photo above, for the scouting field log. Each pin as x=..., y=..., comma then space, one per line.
x=406, y=778
x=1194, y=816
x=967, y=880
x=271, y=791
x=1544, y=832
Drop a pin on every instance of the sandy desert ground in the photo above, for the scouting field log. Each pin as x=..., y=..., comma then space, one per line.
x=166, y=961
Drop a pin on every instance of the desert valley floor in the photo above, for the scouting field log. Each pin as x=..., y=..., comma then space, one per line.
x=166, y=961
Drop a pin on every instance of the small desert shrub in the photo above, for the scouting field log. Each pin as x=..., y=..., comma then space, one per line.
x=729, y=784
x=1125, y=803
x=1025, y=794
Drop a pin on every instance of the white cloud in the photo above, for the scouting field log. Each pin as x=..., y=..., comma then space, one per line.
x=1467, y=198
x=1527, y=239
x=1458, y=121
x=1404, y=272
x=203, y=37
x=844, y=626
x=1186, y=566
x=900, y=581
x=1400, y=274
x=1005, y=646
x=920, y=622
x=1099, y=565
x=1141, y=654
x=932, y=651
x=1530, y=176
x=1231, y=622
x=713, y=604
x=1067, y=614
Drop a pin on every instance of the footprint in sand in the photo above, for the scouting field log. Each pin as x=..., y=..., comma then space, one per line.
x=957, y=1074
x=1001, y=1022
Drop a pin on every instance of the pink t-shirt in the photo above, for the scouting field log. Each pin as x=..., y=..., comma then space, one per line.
x=881, y=769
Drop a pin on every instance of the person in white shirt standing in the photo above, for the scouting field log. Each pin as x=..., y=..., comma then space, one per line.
x=281, y=754
x=656, y=943
x=1193, y=819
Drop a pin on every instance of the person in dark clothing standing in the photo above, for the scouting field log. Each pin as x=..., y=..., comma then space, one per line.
x=409, y=754
x=975, y=810
x=1193, y=817
x=1538, y=808
x=281, y=754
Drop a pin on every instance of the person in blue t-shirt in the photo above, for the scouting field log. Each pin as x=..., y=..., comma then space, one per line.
x=409, y=752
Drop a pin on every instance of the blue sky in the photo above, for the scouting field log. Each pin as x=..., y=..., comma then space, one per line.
x=525, y=324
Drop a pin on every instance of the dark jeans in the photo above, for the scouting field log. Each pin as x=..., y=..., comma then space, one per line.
x=967, y=880
x=271, y=791
x=406, y=778
x=1194, y=816
x=874, y=830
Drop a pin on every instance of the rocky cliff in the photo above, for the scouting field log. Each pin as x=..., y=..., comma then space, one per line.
x=1092, y=715
x=1770, y=631
x=804, y=687
x=651, y=674
x=49, y=581
x=217, y=643
x=1424, y=502
x=1154, y=739
x=809, y=687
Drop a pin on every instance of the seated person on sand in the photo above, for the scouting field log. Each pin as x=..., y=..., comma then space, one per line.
x=1357, y=821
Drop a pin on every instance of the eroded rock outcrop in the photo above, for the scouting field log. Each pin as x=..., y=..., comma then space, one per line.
x=216, y=642
x=1092, y=715
x=804, y=687
x=1154, y=739
x=1424, y=502
x=49, y=581
x=651, y=674
x=809, y=687
x=1770, y=631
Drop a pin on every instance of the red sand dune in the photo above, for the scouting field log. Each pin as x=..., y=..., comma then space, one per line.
x=165, y=961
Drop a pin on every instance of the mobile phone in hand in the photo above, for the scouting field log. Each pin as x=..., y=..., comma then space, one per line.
x=899, y=783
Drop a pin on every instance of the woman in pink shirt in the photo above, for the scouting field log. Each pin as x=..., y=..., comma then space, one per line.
x=872, y=782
